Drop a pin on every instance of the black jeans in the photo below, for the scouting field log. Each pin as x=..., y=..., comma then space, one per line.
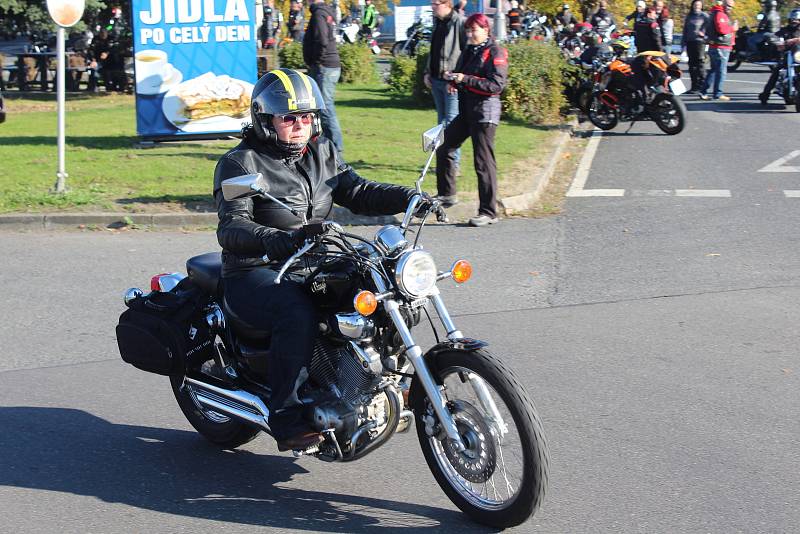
x=696, y=50
x=482, y=134
x=286, y=313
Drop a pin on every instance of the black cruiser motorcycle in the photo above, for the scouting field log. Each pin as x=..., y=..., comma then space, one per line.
x=369, y=379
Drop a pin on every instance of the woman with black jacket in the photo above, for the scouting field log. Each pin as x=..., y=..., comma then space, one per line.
x=479, y=77
x=694, y=40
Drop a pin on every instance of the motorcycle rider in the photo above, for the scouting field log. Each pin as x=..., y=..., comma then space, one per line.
x=602, y=20
x=790, y=31
x=771, y=22
x=305, y=171
x=648, y=33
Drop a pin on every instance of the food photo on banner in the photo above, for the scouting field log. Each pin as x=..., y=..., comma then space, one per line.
x=195, y=66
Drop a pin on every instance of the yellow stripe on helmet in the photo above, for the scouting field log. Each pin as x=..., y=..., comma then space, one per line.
x=287, y=83
x=312, y=100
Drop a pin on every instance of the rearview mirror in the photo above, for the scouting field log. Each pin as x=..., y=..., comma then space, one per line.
x=760, y=16
x=244, y=186
x=432, y=138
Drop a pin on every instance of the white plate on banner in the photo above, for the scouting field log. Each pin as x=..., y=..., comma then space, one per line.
x=146, y=87
x=677, y=87
x=172, y=107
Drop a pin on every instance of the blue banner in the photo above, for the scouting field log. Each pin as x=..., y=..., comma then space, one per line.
x=195, y=65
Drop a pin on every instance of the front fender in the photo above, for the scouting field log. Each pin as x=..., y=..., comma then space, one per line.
x=431, y=359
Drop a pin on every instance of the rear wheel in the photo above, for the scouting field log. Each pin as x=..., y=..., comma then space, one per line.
x=601, y=114
x=500, y=478
x=733, y=63
x=215, y=427
x=669, y=113
x=400, y=49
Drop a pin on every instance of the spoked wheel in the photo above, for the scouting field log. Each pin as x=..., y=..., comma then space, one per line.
x=669, y=113
x=501, y=477
x=215, y=427
x=401, y=49
x=601, y=114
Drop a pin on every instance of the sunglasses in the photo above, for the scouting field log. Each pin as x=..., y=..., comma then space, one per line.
x=304, y=118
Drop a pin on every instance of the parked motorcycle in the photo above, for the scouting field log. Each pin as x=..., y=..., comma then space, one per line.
x=478, y=429
x=350, y=31
x=643, y=88
x=751, y=47
x=416, y=33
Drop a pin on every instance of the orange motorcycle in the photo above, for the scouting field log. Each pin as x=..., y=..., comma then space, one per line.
x=645, y=87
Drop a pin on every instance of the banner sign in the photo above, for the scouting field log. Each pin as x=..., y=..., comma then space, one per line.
x=195, y=66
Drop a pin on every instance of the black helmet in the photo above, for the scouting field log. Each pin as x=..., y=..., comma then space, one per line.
x=794, y=15
x=284, y=92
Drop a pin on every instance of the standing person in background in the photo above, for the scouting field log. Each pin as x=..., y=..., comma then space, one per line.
x=647, y=32
x=295, y=22
x=322, y=59
x=665, y=24
x=637, y=14
x=565, y=18
x=447, y=41
x=480, y=76
x=370, y=19
x=514, y=19
x=694, y=41
x=771, y=23
x=461, y=7
x=721, y=38
x=602, y=20
x=267, y=24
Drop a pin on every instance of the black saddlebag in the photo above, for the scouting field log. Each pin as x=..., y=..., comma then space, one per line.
x=159, y=331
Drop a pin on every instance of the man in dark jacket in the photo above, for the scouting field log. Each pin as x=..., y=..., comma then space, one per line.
x=565, y=18
x=771, y=23
x=790, y=33
x=296, y=22
x=448, y=39
x=602, y=20
x=322, y=60
x=694, y=40
x=648, y=33
x=304, y=171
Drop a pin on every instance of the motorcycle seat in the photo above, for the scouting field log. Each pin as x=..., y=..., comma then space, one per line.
x=206, y=271
x=247, y=333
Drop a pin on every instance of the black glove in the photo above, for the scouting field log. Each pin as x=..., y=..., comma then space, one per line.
x=310, y=230
x=424, y=205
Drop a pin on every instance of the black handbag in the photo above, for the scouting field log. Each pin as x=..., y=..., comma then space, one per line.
x=159, y=331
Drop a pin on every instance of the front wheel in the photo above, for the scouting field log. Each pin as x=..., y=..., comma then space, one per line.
x=669, y=113
x=734, y=62
x=797, y=101
x=500, y=478
x=602, y=115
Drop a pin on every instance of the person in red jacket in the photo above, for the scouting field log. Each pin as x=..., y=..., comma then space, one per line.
x=721, y=38
x=480, y=76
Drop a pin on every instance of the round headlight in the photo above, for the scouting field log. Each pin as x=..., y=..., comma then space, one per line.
x=416, y=273
x=797, y=57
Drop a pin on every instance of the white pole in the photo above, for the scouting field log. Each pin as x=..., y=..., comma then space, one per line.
x=61, y=175
x=500, y=21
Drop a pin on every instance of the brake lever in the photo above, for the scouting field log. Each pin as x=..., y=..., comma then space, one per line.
x=294, y=257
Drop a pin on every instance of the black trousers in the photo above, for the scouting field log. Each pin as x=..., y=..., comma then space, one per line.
x=773, y=78
x=286, y=312
x=482, y=134
x=696, y=50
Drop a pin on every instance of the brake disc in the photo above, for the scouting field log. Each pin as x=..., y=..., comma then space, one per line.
x=477, y=462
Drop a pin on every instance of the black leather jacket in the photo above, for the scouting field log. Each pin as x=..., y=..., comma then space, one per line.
x=252, y=227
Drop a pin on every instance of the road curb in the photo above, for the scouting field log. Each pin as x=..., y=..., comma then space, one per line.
x=518, y=203
x=176, y=220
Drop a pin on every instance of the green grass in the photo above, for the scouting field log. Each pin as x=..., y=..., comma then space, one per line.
x=108, y=172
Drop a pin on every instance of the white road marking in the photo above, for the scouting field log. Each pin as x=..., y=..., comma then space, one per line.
x=718, y=193
x=778, y=164
x=743, y=81
x=791, y=193
x=582, y=174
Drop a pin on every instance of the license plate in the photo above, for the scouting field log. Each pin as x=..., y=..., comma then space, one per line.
x=677, y=87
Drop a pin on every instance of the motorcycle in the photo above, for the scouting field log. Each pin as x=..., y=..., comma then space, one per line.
x=416, y=33
x=350, y=31
x=477, y=426
x=751, y=47
x=644, y=88
x=535, y=27
x=788, y=84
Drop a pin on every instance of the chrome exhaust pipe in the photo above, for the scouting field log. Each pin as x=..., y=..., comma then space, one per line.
x=235, y=403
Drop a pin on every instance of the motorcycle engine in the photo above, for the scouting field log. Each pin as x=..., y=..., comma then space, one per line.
x=352, y=379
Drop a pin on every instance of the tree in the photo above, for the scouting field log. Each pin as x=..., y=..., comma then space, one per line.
x=31, y=15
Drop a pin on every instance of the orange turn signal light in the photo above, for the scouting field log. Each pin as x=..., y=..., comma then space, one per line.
x=365, y=302
x=462, y=271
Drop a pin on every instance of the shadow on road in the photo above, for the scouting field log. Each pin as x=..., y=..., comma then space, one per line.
x=739, y=106
x=177, y=472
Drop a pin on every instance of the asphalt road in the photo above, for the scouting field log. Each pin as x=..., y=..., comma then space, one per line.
x=655, y=331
